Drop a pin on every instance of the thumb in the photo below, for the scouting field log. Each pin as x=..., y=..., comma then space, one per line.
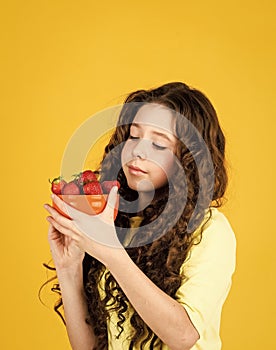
x=111, y=201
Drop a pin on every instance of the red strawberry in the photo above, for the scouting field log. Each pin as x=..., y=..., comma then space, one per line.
x=57, y=185
x=107, y=185
x=71, y=188
x=92, y=187
x=85, y=177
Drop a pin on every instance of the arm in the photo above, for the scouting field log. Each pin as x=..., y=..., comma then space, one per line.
x=153, y=305
x=68, y=263
x=80, y=333
x=208, y=272
x=149, y=301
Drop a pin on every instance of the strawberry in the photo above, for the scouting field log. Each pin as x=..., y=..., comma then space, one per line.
x=107, y=185
x=71, y=188
x=57, y=185
x=85, y=176
x=92, y=187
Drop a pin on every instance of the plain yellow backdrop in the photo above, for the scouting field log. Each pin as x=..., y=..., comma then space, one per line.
x=62, y=61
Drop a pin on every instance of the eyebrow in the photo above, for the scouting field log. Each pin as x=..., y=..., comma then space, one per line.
x=154, y=132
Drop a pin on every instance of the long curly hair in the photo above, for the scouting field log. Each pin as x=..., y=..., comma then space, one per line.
x=162, y=242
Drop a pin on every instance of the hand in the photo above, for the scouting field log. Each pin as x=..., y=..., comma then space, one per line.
x=64, y=250
x=95, y=234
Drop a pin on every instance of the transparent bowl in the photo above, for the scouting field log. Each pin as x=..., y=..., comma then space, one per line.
x=89, y=204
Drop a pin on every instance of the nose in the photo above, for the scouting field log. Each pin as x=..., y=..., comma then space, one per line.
x=140, y=150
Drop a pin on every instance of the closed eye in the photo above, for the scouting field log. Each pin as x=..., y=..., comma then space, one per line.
x=133, y=137
x=155, y=145
x=160, y=148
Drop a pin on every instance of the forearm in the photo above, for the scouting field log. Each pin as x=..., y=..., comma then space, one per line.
x=164, y=315
x=81, y=335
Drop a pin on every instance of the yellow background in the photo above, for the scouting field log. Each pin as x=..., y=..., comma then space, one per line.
x=63, y=61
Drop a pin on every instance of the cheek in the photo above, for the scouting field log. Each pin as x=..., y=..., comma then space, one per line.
x=166, y=163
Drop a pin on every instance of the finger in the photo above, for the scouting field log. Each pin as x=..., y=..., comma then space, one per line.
x=52, y=233
x=53, y=236
x=61, y=204
x=64, y=230
x=62, y=220
x=72, y=212
x=111, y=202
x=52, y=211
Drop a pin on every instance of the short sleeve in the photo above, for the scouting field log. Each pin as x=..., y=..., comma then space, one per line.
x=208, y=274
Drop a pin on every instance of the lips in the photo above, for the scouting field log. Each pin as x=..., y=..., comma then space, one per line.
x=136, y=170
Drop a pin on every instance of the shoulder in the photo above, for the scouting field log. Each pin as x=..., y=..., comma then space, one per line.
x=207, y=275
x=217, y=242
x=218, y=229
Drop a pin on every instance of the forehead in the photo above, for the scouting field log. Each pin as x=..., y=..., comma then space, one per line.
x=156, y=116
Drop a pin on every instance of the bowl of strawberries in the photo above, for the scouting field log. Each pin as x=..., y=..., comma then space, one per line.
x=85, y=192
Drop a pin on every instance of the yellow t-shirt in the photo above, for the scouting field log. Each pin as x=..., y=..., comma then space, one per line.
x=208, y=270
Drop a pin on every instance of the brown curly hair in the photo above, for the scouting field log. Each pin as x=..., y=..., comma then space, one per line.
x=160, y=247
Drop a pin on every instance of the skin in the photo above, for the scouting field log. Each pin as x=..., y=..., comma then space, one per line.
x=148, y=154
x=69, y=239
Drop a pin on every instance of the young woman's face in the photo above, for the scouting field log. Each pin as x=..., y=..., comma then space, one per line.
x=148, y=154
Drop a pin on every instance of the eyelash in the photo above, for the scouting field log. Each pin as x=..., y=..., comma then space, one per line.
x=158, y=147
